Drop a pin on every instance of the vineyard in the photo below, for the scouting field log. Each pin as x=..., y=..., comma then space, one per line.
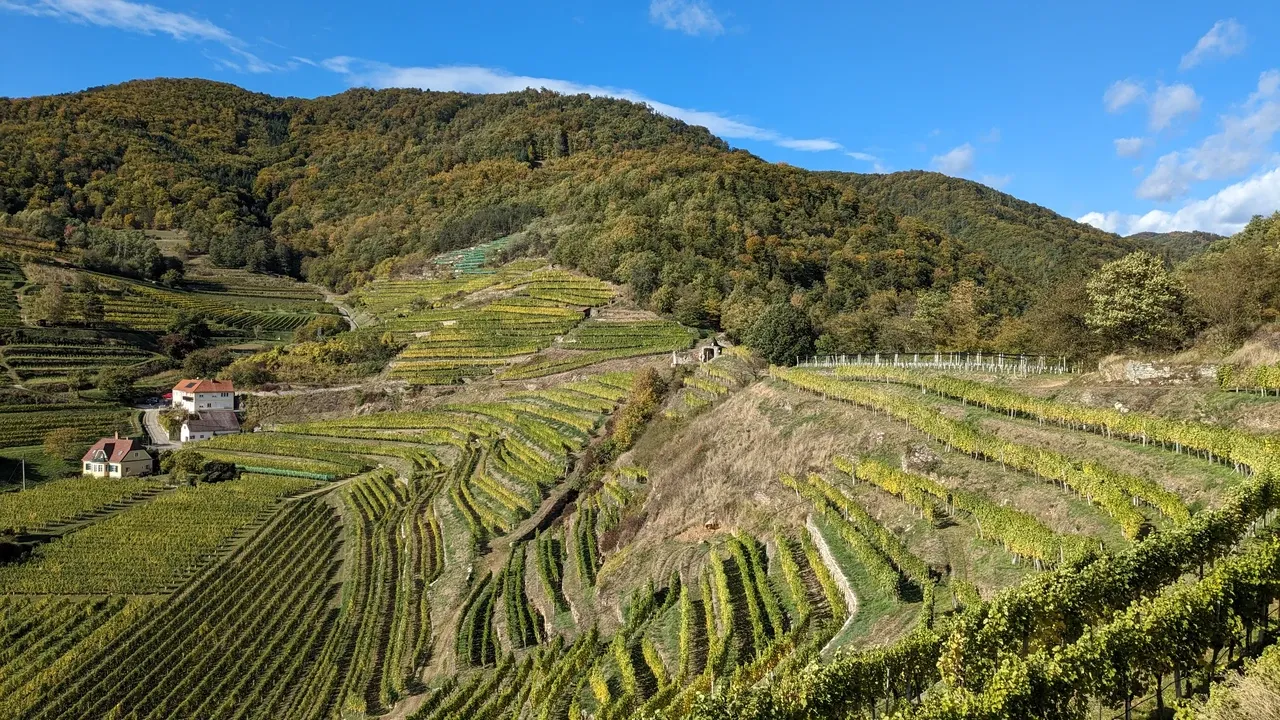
x=423, y=566
x=243, y=304
x=520, y=322
x=853, y=541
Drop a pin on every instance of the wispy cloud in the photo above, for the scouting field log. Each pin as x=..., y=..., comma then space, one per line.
x=991, y=136
x=1121, y=94
x=1171, y=101
x=996, y=181
x=1225, y=212
x=691, y=17
x=957, y=161
x=473, y=79
x=1224, y=39
x=1130, y=146
x=877, y=164
x=813, y=145
x=1243, y=144
x=147, y=20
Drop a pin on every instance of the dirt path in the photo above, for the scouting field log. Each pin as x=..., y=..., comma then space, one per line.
x=842, y=581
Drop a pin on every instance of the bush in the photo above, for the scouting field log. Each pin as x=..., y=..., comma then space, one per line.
x=116, y=383
x=207, y=362
x=782, y=335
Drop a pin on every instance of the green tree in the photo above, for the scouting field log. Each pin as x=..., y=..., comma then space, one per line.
x=171, y=278
x=183, y=465
x=116, y=383
x=50, y=305
x=782, y=334
x=61, y=443
x=192, y=326
x=207, y=362
x=1135, y=301
x=320, y=327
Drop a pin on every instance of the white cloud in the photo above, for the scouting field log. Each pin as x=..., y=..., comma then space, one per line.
x=1130, y=146
x=475, y=79
x=691, y=17
x=877, y=164
x=147, y=20
x=1243, y=144
x=1112, y=222
x=1121, y=94
x=1169, y=102
x=956, y=161
x=813, y=145
x=1224, y=39
x=996, y=181
x=1225, y=212
x=123, y=15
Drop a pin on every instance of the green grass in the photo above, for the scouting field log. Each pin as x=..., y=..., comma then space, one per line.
x=40, y=466
x=880, y=617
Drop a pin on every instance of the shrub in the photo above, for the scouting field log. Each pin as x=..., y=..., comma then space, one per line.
x=782, y=334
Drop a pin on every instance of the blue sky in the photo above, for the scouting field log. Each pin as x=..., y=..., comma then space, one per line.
x=1150, y=116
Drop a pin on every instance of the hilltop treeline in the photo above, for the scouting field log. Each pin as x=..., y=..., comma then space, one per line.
x=337, y=188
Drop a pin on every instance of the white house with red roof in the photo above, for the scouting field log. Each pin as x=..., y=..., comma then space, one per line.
x=117, y=457
x=202, y=394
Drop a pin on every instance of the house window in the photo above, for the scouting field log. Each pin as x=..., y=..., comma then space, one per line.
x=115, y=468
x=88, y=466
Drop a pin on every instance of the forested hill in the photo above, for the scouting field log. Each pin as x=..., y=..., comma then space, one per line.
x=337, y=188
x=1177, y=245
x=1041, y=244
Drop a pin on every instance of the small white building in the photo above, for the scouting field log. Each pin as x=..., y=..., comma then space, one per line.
x=116, y=457
x=206, y=424
x=199, y=394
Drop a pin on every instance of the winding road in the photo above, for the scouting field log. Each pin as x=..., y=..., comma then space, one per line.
x=159, y=438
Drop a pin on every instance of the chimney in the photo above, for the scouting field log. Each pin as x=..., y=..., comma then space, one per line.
x=117, y=434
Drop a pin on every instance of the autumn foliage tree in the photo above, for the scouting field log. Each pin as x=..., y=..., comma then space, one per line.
x=1137, y=302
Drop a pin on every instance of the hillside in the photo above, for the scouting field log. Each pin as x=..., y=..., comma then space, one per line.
x=1040, y=244
x=337, y=186
x=511, y=470
x=1176, y=246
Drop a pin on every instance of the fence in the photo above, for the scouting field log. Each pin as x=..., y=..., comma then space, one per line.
x=999, y=363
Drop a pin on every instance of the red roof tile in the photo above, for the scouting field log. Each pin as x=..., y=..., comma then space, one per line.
x=114, y=447
x=204, y=386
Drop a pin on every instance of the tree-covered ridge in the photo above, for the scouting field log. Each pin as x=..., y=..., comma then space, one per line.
x=1177, y=245
x=1034, y=241
x=344, y=188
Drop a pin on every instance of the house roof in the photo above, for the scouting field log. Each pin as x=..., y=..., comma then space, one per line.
x=203, y=385
x=213, y=421
x=115, y=448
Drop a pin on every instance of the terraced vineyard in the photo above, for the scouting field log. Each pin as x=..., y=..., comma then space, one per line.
x=253, y=304
x=521, y=322
x=852, y=542
x=28, y=424
x=37, y=361
x=11, y=278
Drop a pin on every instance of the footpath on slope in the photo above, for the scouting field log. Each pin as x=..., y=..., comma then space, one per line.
x=842, y=581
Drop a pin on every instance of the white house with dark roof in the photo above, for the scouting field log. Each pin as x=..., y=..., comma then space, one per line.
x=202, y=394
x=205, y=424
x=117, y=457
